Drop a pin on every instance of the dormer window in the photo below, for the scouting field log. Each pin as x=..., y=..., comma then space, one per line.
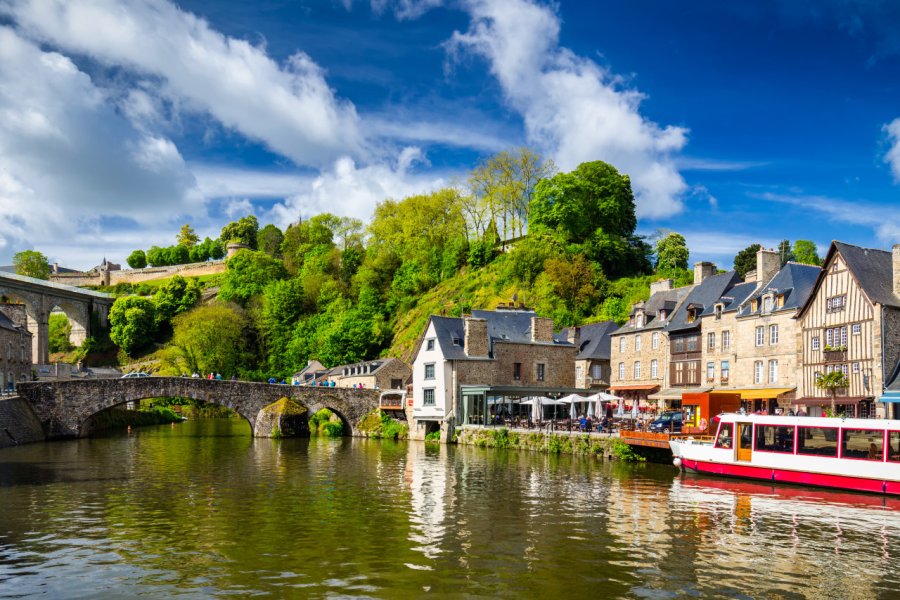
x=719, y=308
x=691, y=315
x=768, y=303
x=457, y=341
x=780, y=300
x=754, y=304
x=661, y=315
x=639, y=320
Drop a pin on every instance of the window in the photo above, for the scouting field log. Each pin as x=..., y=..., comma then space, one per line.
x=760, y=335
x=817, y=441
x=773, y=334
x=655, y=340
x=457, y=341
x=773, y=371
x=692, y=344
x=596, y=371
x=829, y=337
x=834, y=267
x=753, y=305
x=691, y=315
x=429, y=370
x=725, y=368
x=710, y=371
x=621, y=344
x=757, y=371
x=857, y=329
x=726, y=435
x=726, y=340
x=428, y=397
x=621, y=371
x=637, y=343
x=772, y=438
x=835, y=303
x=517, y=371
x=768, y=303
x=856, y=367
x=654, y=369
x=815, y=342
x=894, y=446
x=679, y=345
x=718, y=312
x=637, y=369
x=845, y=369
x=639, y=320
x=429, y=345
x=540, y=371
x=711, y=340
x=866, y=444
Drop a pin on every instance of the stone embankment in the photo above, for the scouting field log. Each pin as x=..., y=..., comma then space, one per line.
x=110, y=278
x=18, y=423
x=555, y=442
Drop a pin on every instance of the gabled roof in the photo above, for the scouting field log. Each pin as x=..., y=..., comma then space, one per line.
x=667, y=300
x=732, y=298
x=703, y=296
x=794, y=280
x=595, y=341
x=446, y=329
x=870, y=267
x=6, y=323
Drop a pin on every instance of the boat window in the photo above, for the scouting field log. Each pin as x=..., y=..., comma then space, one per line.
x=818, y=441
x=774, y=438
x=726, y=435
x=746, y=441
x=867, y=444
x=894, y=446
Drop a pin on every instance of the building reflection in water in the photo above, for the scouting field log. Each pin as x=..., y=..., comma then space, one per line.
x=426, y=478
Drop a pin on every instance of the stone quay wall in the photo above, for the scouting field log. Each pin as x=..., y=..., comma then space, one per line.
x=18, y=423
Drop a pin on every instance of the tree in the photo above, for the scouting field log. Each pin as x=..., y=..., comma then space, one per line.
x=242, y=231
x=672, y=253
x=176, y=296
x=137, y=259
x=833, y=382
x=247, y=274
x=574, y=282
x=784, y=252
x=745, y=260
x=187, y=237
x=807, y=253
x=59, y=330
x=31, y=263
x=269, y=240
x=132, y=322
x=212, y=338
x=157, y=257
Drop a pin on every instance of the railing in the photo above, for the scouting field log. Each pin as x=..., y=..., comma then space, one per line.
x=835, y=355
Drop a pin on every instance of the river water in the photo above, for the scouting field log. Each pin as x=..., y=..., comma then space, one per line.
x=202, y=510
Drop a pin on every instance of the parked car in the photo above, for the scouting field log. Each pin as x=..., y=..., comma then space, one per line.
x=668, y=421
x=134, y=374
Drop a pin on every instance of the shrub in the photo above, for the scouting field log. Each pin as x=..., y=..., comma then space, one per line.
x=625, y=452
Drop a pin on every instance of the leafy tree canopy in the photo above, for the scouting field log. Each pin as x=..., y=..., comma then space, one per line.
x=137, y=259
x=672, y=253
x=132, y=322
x=807, y=253
x=31, y=263
x=269, y=240
x=176, y=296
x=242, y=231
x=212, y=338
x=247, y=274
x=745, y=260
x=187, y=237
x=785, y=253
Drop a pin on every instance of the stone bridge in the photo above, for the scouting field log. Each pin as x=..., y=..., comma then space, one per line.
x=40, y=298
x=64, y=407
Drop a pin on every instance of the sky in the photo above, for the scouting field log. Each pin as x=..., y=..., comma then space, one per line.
x=739, y=122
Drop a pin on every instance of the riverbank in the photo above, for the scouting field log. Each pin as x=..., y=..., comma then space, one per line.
x=18, y=423
x=602, y=445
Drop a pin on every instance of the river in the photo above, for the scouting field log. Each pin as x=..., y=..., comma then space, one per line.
x=201, y=509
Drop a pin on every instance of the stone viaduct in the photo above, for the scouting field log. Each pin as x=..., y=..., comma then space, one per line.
x=41, y=297
x=64, y=407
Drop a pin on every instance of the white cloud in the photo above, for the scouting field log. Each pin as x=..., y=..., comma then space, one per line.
x=403, y=9
x=574, y=109
x=884, y=221
x=892, y=157
x=288, y=107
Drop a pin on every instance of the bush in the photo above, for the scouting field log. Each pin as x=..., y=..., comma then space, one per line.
x=433, y=438
x=625, y=452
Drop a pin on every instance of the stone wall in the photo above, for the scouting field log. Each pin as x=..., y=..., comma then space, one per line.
x=646, y=355
x=111, y=278
x=381, y=379
x=786, y=351
x=558, y=361
x=18, y=423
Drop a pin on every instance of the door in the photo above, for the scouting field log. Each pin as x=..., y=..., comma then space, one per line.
x=745, y=442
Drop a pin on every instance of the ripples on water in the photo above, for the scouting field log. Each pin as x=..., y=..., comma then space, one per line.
x=203, y=510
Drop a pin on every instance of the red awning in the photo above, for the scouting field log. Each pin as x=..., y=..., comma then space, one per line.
x=643, y=386
x=809, y=401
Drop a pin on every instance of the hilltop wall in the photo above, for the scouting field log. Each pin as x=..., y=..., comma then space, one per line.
x=110, y=278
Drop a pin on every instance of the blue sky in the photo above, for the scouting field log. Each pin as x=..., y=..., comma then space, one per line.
x=738, y=122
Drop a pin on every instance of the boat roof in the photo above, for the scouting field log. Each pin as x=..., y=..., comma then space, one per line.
x=787, y=421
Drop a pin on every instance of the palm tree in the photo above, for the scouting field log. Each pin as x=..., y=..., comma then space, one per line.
x=831, y=383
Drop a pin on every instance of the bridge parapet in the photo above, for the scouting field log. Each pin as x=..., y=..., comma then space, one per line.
x=63, y=407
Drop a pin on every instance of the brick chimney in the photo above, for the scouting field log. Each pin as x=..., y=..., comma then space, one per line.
x=702, y=270
x=541, y=329
x=768, y=263
x=896, y=269
x=663, y=285
x=573, y=336
x=476, y=340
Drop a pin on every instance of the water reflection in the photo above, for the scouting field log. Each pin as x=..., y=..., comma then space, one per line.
x=170, y=512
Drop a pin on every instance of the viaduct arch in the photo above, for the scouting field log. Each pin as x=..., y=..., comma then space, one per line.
x=40, y=298
x=64, y=407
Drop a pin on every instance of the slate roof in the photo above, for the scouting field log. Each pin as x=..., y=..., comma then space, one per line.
x=704, y=295
x=595, y=341
x=873, y=270
x=733, y=298
x=6, y=323
x=794, y=280
x=668, y=300
x=502, y=326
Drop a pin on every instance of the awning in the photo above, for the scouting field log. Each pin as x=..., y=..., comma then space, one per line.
x=827, y=401
x=890, y=396
x=642, y=386
x=759, y=394
x=675, y=393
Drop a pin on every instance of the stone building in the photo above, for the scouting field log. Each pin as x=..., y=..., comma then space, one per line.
x=381, y=374
x=592, y=369
x=15, y=347
x=466, y=368
x=639, y=350
x=851, y=323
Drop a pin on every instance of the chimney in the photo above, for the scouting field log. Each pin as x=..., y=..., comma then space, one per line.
x=663, y=285
x=476, y=340
x=573, y=336
x=768, y=263
x=896, y=269
x=541, y=329
x=702, y=270
x=750, y=276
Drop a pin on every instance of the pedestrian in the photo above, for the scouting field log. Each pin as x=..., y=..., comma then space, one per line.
x=234, y=377
x=218, y=376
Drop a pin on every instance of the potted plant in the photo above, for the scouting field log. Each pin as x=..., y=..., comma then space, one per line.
x=831, y=383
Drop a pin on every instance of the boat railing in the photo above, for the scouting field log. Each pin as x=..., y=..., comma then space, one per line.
x=696, y=438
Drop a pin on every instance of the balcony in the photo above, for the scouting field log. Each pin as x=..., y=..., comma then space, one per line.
x=834, y=356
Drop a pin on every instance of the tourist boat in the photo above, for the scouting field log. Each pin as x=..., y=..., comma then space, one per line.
x=852, y=454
